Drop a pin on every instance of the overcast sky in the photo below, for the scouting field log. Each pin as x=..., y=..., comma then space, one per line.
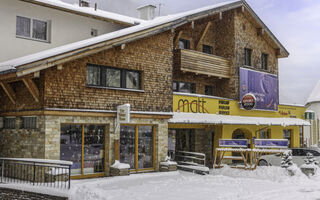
x=296, y=23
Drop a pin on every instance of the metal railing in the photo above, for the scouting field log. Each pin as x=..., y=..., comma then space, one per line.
x=38, y=172
x=191, y=158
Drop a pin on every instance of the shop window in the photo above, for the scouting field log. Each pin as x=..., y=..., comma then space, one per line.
x=184, y=44
x=32, y=28
x=264, y=61
x=247, y=56
x=207, y=49
x=84, y=145
x=137, y=146
x=183, y=87
x=208, y=90
x=9, y=123
x=287, y=135
x=29, y=122
x=265, y=134
x=113, y=77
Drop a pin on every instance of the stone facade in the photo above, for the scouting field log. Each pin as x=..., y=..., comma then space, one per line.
x=23, y=143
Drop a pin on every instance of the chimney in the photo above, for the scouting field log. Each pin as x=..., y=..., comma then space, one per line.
x=147, y=12
x=84, y=3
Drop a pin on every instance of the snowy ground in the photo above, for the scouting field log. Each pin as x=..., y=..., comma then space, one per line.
x=263, y=183
x=226, y=183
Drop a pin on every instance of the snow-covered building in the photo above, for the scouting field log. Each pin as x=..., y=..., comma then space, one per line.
x=311, y=133
x=183, y=76
x=36, y=25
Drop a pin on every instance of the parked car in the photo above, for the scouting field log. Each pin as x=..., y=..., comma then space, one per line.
x=298, y=156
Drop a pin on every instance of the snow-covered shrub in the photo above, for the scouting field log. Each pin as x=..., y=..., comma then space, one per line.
x=311, y=165
x=288, y=164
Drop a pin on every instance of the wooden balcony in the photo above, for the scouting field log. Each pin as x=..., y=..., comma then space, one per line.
x=202, y=63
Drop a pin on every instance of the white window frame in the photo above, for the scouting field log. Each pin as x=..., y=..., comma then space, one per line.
x=48, y=31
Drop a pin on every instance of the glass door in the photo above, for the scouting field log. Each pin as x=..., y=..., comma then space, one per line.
x=93, y=152
x=127, y=145
x=137, y=147
x=145, y=147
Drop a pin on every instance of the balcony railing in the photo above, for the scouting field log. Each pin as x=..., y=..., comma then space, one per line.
x=202, y=63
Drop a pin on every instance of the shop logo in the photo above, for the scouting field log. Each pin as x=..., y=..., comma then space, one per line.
x=248, y=101
x=195, y=106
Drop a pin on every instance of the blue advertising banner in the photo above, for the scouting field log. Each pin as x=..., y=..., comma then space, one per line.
x=263, y=86
x=233, y=143
x=271, y=143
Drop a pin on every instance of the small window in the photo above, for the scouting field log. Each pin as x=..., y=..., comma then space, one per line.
x=264, y=61
x=287, y=135
x=207, y=49
x=247, y=56
x=184, y=44
x=32, y=28
x=208, y=90
x=94, y=32
x=113, y=77
x=29, y=122
x=23, y=27
x=183, y=87
x=264, y=134
x=9, y=123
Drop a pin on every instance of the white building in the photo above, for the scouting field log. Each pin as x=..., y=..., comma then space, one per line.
x=311, y=133
x=31, y=26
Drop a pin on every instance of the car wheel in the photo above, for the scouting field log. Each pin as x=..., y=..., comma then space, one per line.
x=263, y=163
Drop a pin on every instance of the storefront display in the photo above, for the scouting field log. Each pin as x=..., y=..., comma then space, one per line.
x=137, y=146
x=84, y=145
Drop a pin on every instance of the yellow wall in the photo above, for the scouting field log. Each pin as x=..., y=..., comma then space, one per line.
x=214, y=105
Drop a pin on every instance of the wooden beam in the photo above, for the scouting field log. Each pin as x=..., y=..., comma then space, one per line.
x=242, y=9
x=203, y=34
x=36, y=74
x=176, y=42
x=9, y=91
x=220, y=15
x=32, y=87
x=123, y=46
x=192, y=24
x=59, y=67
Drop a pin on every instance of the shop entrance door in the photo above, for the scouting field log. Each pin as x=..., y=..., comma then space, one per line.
x=137, y=147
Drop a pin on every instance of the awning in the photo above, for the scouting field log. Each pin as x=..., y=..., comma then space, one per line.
x=201, y=118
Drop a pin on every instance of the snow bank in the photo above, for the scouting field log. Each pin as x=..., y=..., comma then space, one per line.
x=119, y=165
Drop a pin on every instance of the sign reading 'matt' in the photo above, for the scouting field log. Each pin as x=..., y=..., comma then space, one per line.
x=195, y=106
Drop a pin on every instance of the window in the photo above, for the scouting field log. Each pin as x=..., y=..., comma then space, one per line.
x=29, y=122
x=9, y=123
x=183, y=87
x=184, y=44
x=208, y=90
x=32, y=28
x=264, y=61
x=264, y=134
x=94, y=32
x=247, y=56
x=287, y=135
x=84, y=145
x=207, y=49
x=113, y=77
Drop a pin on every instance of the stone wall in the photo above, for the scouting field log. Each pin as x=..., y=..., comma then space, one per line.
x=152, y=56
x=23, y=143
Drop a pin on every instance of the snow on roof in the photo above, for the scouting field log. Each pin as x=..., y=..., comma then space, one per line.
x=12, y=64
x=201, y=118
x=315, y=94
x=91, y=11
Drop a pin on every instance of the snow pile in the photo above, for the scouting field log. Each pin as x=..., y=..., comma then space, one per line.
x=310, y=167
x=286, y=163
x=119, y=165
x=168, y=162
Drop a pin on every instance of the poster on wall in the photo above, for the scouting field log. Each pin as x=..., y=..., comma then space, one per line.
x=263, y=86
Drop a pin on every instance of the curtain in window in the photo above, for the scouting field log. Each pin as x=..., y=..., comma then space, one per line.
x=132, y=80
x=93, y=75
x=39, y=30
x=113, y=78
x=23, y=26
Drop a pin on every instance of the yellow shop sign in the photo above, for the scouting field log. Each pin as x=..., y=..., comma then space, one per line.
x=214, y=105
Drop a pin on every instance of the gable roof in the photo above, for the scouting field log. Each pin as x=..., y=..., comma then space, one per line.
x=315, y=94
x=45, y=59
x=87, y=12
